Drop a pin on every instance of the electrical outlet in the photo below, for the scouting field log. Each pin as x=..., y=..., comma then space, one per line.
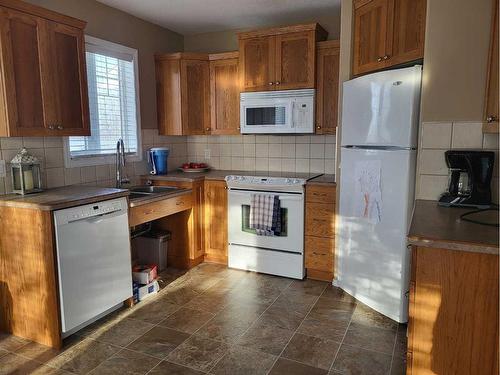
x=3, y=171
x=207, y=154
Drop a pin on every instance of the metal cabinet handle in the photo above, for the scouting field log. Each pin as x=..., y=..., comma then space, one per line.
x=379, y=59
x=386, y=57
x=207, y=129
x=271, y=83
x=491, y=119
x=60, y=127
x=51, y=127
x=318, y=127
x=278, y=82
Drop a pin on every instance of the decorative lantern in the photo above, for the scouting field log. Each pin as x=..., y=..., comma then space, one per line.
x=26, y=174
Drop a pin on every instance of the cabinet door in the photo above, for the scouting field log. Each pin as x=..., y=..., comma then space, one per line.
x=257, y=56
x=197, y=217
x=216, y=221
x=327, y=88
x=371, y=21
x=492, y=99
x=168, y=97
x=195, y=100
x=21, y=36
x=225, y=96
x=295, y=61
x=69, y=81
x=408, y=31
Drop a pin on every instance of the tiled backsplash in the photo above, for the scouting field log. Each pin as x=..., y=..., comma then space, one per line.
x=51, y=153
x=294, y=153
x=435, y=139
x=313, y=153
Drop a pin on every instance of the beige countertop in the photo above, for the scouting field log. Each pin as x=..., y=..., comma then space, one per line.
x=441, y=227
x=56, y=199
x=221, y=174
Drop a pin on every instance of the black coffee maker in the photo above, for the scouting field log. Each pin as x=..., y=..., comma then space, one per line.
x=469, y=178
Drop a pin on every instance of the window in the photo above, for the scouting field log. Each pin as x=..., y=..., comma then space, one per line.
x=113, y=103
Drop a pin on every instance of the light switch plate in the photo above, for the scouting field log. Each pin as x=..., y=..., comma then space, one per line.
x=3, y=171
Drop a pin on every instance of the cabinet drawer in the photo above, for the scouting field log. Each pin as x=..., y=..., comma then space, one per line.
x=319, y=253
x=320, y=194
x=320, y=220
x=158, y=209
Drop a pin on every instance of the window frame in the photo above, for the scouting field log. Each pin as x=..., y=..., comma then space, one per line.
x=92, y=160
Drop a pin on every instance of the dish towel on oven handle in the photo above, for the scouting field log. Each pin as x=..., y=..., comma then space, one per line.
x=265, y=214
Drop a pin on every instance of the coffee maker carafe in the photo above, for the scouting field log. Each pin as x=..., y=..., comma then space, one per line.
x=469, y=181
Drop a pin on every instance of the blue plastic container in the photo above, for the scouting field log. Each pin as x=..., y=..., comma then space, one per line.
x=158, y=160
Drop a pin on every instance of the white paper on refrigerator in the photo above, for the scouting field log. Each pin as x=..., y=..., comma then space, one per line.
x=367, y=194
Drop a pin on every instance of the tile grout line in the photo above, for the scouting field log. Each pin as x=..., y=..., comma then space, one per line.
x=296, y=330
x=342, y=342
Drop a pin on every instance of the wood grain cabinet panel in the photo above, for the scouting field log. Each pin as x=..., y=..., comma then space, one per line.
x=319, y=253
x=371, y=20
x=183, y=93
x=327, y=86
x=408, y=31
x=320, y=232
x=279, y=58
x=387, y=33
x=295, y=60
x=216, y=241
x=224, y=94
x=320, y=220
x=43, y=83
x=257, y=56
x=491, y=115
x=453, y=313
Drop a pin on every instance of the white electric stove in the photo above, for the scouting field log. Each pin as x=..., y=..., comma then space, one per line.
x=281, y=255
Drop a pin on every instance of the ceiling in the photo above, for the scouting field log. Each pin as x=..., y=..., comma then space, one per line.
x=190, y=17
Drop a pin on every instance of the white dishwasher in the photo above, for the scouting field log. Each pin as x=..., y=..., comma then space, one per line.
x=93, y=258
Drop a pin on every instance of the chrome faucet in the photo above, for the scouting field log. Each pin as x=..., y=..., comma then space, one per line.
x=120, y=164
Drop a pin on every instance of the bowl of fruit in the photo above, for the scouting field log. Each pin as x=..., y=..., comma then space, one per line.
x=194, y=167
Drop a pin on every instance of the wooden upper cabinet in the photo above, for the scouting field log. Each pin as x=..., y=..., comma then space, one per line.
x=182, y=93
x=327, y=86
x=387, y=33
x=295, y=60
x=408, y=31
x=279, y=58
x=22, y=111
x=67, y=59
x=370, y=35
x=195, y=100
x=224, y=93
x=491, y=115
x=257, y=57
x=43, y=81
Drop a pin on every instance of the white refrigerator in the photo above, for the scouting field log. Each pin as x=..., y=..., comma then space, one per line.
x=378, y=156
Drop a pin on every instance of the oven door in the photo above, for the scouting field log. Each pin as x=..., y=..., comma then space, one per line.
x=266, y=116
x=292, y=213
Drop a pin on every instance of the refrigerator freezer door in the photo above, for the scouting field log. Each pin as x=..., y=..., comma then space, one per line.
x=373, y=258
x=382, y=109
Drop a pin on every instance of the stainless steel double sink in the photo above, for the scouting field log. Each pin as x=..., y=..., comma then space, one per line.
x=138, y=192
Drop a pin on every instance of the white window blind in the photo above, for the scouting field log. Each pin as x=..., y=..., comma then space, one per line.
x=112, y=101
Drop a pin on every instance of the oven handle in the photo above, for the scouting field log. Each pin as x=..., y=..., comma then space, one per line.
x=281, y=196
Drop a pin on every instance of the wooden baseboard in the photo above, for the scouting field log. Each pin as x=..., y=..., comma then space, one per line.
x=215, y=259
x=319, y=275
x=194, y=262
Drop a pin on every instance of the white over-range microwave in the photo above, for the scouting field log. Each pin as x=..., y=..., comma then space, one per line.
x=289, y=111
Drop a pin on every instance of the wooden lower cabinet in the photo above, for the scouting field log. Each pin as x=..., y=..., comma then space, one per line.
x=216, y=221
x=320, y=231
x=193, y=238
x=453, y=323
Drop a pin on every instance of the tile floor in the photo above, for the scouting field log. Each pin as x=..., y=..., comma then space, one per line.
x=221, y=321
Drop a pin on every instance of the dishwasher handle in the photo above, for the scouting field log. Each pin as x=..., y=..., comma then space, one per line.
x=95, y=219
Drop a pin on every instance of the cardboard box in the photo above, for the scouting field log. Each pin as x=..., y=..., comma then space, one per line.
x=148, y=290
x=144, y=274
